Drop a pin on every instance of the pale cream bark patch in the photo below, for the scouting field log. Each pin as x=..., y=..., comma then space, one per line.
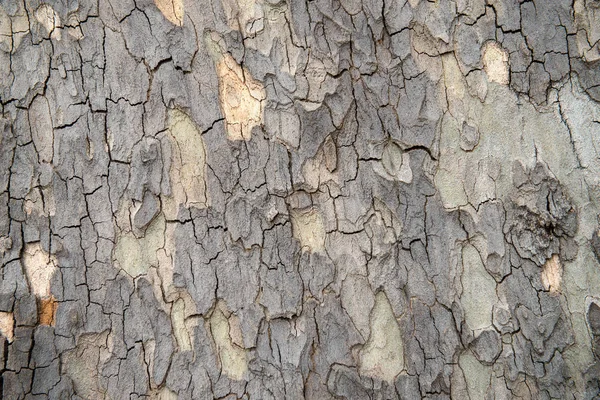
x=383, y=355
x=49, y=19
x=552, y=274
x=495, y=63
x=241, y=98
x=73, y=27
x=5, y=244
x=163, y=394
x=39, y=268
x=308, y=229
x=172, y=10
x=588, y=30
x=7, y=324
x=180, y=331
x=188, y=165
x=226, y=333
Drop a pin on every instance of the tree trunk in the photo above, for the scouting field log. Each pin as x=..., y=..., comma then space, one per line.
x=271, y=199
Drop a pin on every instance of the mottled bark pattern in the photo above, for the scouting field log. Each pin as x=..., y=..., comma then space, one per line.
x=282, y=199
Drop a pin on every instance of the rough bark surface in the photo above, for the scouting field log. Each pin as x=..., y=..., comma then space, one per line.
x=271, y=199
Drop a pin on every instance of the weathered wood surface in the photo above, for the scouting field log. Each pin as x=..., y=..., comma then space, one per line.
x=271, y=199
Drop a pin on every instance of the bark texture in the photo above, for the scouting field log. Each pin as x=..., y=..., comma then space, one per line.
x=285, y=199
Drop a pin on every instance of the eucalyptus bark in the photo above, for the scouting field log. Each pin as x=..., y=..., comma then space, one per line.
x=272, y=199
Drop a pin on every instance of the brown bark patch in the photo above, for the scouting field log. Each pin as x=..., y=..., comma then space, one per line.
x=47, y=310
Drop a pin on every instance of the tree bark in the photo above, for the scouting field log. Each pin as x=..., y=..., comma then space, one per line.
x=271, y=199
